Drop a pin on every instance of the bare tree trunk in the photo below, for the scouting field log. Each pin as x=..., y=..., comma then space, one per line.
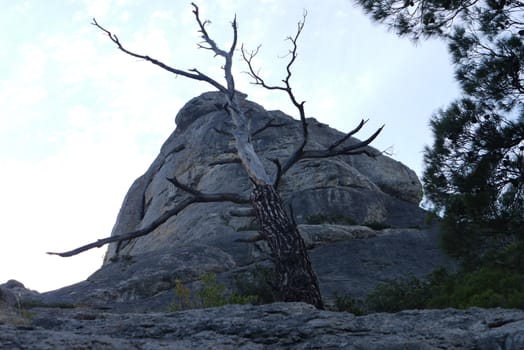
x=296, y=279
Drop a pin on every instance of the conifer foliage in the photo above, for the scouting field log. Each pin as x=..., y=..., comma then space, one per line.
x=474, y=171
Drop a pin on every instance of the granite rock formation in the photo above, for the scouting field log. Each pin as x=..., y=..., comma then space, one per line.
x=359, y=215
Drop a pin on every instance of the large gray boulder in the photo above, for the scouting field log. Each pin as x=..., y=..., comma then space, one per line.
x=202, y=154
x=359, y=215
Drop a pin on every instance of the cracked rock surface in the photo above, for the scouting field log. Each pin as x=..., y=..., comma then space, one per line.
x=272, y=326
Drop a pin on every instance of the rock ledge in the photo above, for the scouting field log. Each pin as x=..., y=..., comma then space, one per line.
x=272, y=326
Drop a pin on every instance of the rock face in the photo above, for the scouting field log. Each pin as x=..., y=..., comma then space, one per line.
x=202, y=154
x=272, y=326
x=358, y=215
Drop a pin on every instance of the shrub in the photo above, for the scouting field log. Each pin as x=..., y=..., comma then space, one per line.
x=486, y=287
x=347, y=304
x=211, y=294
x=409, y=293
x=489, y=287
x=182, y=299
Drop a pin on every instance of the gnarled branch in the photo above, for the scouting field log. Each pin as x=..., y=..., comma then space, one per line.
x=257, y=79
x=269, y=124
x=300, y=152
x=191, y=73
x=349, y=134
x=197, y=197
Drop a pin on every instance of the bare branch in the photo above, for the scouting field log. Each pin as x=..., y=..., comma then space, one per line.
x=257, y=78
x=228, y=56
x=235, y=36
x=278, y=173
x=191, y=74
x=293, y=52
x=248, y=58
x=299, y=153
x=130, y=235
x=197, y=197
x=246, y=152
x=269, y=124
x=349, y=134
x=207, y=39
x=357, y=148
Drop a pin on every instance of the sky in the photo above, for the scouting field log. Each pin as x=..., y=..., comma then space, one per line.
x=80, y=120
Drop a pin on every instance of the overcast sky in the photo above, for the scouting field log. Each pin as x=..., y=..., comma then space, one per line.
x=80, y=120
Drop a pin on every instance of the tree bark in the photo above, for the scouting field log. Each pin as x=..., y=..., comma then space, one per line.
x=296, y=279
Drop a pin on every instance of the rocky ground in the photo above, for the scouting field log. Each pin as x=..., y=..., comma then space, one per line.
x=28, y=322
x=272, y=326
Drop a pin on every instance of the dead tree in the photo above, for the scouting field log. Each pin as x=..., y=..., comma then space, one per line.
x=296, y=280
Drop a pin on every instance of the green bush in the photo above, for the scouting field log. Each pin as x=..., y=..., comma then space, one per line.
x=183, y=300
x=489, y=287
x=486, y=287
x=347, y=304
x=409, y=293
x=211, y=294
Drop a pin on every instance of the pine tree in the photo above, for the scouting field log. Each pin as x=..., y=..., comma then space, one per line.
x=474, y=171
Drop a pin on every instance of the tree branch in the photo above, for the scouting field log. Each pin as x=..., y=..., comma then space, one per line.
x=349, y=134
x=268, y=125
x=228, y=56
x=278, y=173
x=191, y=73
x=130, y=235
x=299, y=153
x=248, y=58
x=357, y=148
x=197, y=197
x=246, y=151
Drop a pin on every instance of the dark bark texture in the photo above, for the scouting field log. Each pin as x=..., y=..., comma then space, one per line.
x=296, y=279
